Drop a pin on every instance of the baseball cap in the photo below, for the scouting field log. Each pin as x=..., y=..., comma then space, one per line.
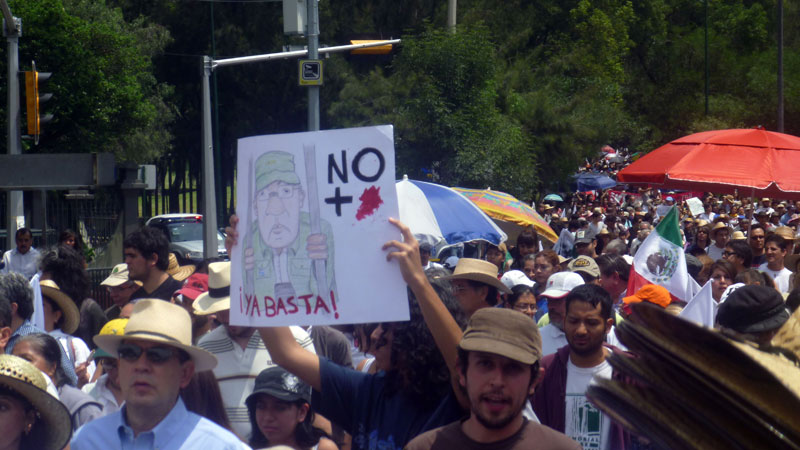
x=583, y=237
x=279, y=383
x=516, y=277
x=195, y=285
x=118, y=276
x=752, y=309
x=503, y=332
x=651, y=293
x=560, y=283
x=584, y=264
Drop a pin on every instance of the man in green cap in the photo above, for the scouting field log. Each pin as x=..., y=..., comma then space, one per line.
x=282, y=247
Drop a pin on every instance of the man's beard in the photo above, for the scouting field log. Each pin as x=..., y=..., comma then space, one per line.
x=500, y=423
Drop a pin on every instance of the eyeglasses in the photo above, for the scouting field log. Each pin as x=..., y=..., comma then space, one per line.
x=156, y=355
x=726, y=254
x=522, y=307
x=756, y=237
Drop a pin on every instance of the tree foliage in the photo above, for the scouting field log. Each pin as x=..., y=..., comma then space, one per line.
x=516, y=99
x=106, y=95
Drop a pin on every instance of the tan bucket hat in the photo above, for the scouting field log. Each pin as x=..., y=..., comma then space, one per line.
x=69, y=310
x=503, y=332
x=177, y=271
x=218, y=297
x=476, y=270
x=53, y=426
x=155, y=320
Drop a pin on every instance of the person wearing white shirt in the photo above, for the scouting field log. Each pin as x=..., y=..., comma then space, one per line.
x=720, y=235
x=24, y=259
x=775, y=251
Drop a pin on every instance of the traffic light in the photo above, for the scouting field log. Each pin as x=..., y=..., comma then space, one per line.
x=34, y=99
x=377, y=50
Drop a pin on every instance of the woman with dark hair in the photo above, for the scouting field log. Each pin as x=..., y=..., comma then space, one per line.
x=410, y=393
x=280, y=413
x=701, y=241
x=73, y=240
x=64, y=266
x=527, y=244
x=722, y=276
x=522, y=299
x=202, y=396
x=44, y=352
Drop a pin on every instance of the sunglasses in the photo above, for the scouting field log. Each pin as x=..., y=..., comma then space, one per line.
x=156, y=355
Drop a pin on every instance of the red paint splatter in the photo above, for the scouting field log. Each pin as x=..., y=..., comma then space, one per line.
x=370, y=201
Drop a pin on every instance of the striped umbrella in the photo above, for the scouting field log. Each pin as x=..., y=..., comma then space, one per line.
x=511, y=214
x=437, y=214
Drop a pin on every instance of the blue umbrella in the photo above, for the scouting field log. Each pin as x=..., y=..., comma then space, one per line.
x=441, y=216
x=592, y=181
x=553, y=198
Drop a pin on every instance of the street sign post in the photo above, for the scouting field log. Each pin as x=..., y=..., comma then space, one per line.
x=310, y=73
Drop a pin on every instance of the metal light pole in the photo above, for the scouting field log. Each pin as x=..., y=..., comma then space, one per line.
x=12, y=31
x=313, y=53
x=209, y=189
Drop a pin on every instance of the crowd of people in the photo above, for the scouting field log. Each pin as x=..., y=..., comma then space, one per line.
x=499, y=350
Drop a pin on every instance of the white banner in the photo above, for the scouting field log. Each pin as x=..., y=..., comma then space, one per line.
x=313, y=214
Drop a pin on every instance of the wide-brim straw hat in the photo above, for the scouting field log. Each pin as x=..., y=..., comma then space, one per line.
x=177, y=271
x=72, y=317
x=480, y=271
x=218, y=297
x=764, y=386
x=53, y=426
x=159, y=321
x=718, y=226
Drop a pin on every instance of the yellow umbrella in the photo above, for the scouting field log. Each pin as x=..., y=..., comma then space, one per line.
x=511, y=214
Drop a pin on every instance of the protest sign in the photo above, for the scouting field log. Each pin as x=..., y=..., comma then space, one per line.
x=695, y=206
x=313, y=214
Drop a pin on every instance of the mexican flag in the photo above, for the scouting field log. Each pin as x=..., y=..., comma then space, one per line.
x=660, y=260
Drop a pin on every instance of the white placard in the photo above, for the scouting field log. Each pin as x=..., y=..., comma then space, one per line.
x=695, y=206
x=313, y=212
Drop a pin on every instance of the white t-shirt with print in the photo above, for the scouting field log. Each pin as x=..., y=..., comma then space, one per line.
x=584, y=423
x=781, y=277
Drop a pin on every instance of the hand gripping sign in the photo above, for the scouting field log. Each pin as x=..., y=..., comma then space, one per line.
x=313, y=210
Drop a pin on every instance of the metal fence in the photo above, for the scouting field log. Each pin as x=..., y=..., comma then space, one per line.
x=99, y=293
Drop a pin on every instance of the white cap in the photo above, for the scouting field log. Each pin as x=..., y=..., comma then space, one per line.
x=516, y=277
x=560, y=283
x=451, y=262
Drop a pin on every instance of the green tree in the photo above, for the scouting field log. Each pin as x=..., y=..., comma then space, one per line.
x=106, y=97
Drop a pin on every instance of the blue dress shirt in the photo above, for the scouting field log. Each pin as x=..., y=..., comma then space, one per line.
x=180, y=429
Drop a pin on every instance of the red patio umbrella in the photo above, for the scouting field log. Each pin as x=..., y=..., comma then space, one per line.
x=755, y=161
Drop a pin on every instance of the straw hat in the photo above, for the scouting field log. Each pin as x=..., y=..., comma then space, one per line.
x=786, y=233
x=69, y=310
x=163, y=322
x=738, y=236
x=718, y=226
x=179, y=272
x=477, y=270
x=53, y=426
x=218, y=297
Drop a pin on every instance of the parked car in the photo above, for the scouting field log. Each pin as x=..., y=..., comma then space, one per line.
x=185, y=235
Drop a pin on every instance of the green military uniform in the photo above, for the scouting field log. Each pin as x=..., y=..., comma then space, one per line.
x=300, y=266
x=279, y=166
